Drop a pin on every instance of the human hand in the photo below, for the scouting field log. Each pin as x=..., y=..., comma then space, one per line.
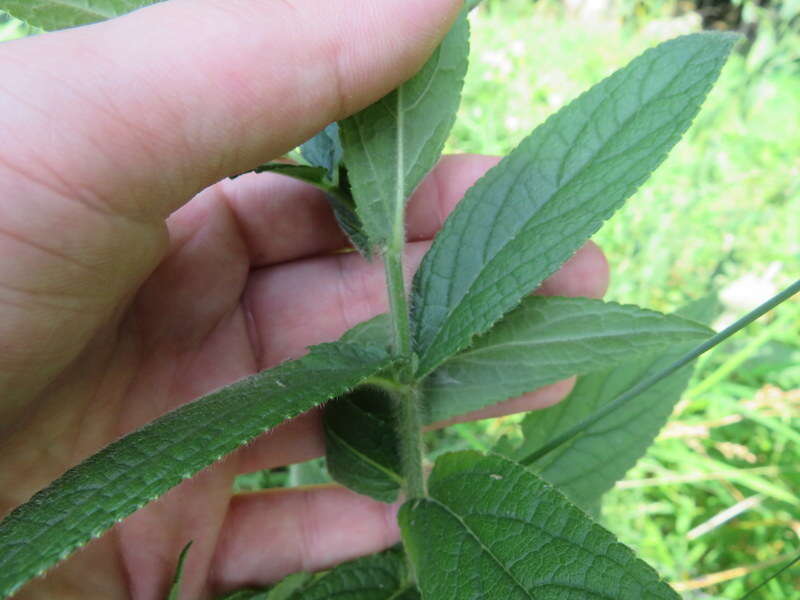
x=121, y=298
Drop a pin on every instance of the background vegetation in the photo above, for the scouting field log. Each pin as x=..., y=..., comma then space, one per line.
x=713, y=506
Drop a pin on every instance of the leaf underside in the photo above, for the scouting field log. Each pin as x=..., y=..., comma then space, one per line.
x=60, y=14
x=545, y=340
x=362, y=445
x=492, y=530
x=390, y=146
x=590, y=464
x=90, y=498
x=532, y=211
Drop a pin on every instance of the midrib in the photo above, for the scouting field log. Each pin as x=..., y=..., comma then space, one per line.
x=399, y=197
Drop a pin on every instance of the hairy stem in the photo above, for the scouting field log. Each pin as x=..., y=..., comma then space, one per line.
x=398, y=305
x=409, y=426
x=406, y=395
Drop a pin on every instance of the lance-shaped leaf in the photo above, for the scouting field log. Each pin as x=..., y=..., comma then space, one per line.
x=493, y=530
x=390, y=146
x=532, y=211
x=60, y=14
x=361, y=443
x=106, y=488
x=587, y=466
x=545, y=340
x=381, y=576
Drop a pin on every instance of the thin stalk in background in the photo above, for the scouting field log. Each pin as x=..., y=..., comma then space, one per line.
x=650, y=381
x=776, y=574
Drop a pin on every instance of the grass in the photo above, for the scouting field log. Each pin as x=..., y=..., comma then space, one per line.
x=712, y=505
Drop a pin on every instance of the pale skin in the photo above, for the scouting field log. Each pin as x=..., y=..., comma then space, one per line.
x=132, y=282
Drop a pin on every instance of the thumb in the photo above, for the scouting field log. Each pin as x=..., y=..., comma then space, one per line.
x=109, y=128
x=146, y=110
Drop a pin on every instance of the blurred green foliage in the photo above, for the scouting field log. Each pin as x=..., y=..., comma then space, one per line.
x=708, y=504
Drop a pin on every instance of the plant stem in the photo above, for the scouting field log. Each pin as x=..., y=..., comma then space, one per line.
x=406, y=394
x=650, y=381
x=409, y=428
x=398, y=305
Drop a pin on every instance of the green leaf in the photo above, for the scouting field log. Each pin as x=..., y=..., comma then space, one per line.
x=375, y=332
x=545, y=340
x=290, y=586
x=492, y=530
x=390, y=146
x=246, y=594
x=531, y=212
x=361, y=443
x=175, y=588
x=285, y=590
x=381, y=576
x=90, y=498
x=325, y=150
x=60, y=14
x=588, y=465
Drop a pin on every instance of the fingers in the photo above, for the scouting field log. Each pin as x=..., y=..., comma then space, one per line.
x=109, y=128
x=280, y=219
x=293, y=442
x=294, y=305
x=268, y=535
x=143, y=111
x=442, y=190
x=585, y=275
